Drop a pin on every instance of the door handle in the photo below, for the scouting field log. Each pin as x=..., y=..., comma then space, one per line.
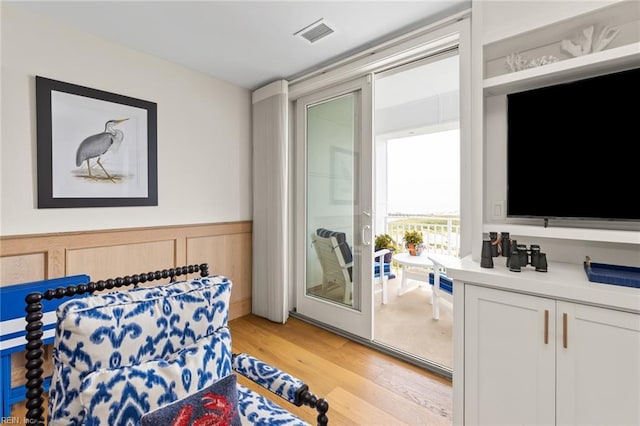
x=546, y=326
x=366, y=228
x=364, y=231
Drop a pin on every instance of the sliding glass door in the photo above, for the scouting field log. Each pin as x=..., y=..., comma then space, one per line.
x=417, y=185
x=334, y=143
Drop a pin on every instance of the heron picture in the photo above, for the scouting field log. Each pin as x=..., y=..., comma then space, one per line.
x=95, y=148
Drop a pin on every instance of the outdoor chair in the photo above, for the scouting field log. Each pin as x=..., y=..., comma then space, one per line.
x=336, y=260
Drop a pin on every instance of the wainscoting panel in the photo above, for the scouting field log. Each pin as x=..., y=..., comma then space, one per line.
x=125, y=259
x=230, y=256
x=22, y=268
x=226, y=247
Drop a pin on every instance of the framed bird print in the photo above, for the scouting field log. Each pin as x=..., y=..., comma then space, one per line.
x=95, y=148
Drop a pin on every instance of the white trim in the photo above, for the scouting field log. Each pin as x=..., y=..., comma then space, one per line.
x=22, y=341
x=414, y=45
x=271, y=89
x=356, y=319
x=18, y=324
x=477, y=156
x=405, y=66
x=470, y=158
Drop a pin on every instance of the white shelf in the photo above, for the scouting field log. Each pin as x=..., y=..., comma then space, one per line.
x=563, y=281
x=611, y=60
x=581, y=234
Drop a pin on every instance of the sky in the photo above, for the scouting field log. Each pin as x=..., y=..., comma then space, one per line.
x=424, y=173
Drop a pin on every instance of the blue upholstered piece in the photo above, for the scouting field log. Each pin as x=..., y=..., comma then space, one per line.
x=120, y=396
x=260, y=411
x=214, y=405
x=120, y=356
x=387, y=270
x=108, y=333
x=13, y=332
x=267, y=376
x=446, y=283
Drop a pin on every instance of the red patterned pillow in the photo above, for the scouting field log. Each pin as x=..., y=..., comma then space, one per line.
x=215, y=405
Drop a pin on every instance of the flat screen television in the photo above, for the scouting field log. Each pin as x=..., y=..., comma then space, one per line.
x=573, y=150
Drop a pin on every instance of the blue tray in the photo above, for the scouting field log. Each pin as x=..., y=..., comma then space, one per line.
x=627, y=276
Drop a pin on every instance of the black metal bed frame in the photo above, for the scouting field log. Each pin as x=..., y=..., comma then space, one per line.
x=35, y=354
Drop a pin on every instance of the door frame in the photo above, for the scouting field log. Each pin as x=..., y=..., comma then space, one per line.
x=356, y=320
x=433, y=38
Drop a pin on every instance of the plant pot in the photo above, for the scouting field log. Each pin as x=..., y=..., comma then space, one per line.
x=412, y=249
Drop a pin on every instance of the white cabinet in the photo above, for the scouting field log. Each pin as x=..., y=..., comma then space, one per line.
x=598, y=372
x=509, y=370
x=538, y=361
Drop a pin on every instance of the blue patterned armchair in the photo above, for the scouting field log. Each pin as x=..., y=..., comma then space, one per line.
x=156, y=355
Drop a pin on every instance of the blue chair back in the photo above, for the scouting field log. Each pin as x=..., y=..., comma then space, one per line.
x=13, y=332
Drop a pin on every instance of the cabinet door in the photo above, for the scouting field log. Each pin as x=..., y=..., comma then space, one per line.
x=598, y=366
x=509, y=366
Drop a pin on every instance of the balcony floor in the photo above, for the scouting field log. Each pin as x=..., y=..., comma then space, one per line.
x=406, y=323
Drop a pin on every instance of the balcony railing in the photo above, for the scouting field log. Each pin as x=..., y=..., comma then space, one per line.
x=441, y=233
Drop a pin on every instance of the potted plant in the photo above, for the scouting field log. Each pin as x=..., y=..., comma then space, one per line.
x=385, y=241
x=412, y=239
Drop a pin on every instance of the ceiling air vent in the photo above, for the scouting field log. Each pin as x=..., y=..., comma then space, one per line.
x=315, y=31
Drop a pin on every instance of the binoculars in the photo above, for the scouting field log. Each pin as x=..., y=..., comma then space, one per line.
x=521, y=256
x=518, y=255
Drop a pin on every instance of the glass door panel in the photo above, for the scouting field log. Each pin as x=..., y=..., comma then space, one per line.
x=336, y=218
x=417, y=131
x=331, y=223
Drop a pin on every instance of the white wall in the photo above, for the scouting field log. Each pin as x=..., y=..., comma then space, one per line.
x=204, y=130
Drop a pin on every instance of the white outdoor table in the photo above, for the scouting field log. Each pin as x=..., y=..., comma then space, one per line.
x=409, y=264
x=430, y=262
x=415, y=268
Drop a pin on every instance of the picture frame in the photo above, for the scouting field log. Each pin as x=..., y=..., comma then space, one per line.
x=94, y=148
x=342, y=165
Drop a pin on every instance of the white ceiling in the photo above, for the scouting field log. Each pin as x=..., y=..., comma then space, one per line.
x=248, y=43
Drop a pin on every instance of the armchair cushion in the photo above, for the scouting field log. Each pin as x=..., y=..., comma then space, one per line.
x=114, y=330
x=122, y=395
x=446, y=283
x=269, y=377
x=386, y=270
x=261, y=411
x=214, y=405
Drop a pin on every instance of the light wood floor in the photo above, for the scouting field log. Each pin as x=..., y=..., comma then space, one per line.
x=363, y=386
